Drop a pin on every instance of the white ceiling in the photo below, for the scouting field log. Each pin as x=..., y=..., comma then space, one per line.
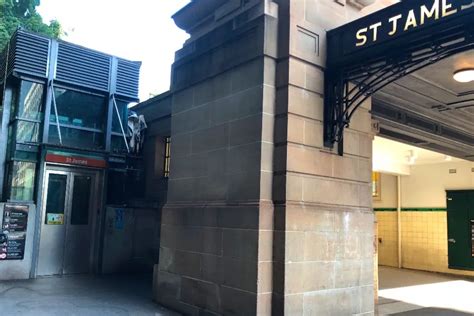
x=394, y=157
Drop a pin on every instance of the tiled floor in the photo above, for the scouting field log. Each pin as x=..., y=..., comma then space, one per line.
x=80, y=295
x=408, y=292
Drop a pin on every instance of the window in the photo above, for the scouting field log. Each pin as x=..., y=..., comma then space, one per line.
x=22, y=180
x=27, y=132
x=30, y=101
x=122, y=107
x=116, y=187
x=80, y=200
x=26, y=112
x=55, y=199
x=81, y=118
x=117, y=141
x=117, y=144
x=167, y=157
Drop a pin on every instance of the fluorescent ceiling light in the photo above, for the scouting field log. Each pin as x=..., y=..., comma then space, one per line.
x=464, y=75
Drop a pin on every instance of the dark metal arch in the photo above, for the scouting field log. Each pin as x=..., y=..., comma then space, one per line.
x=354, y=74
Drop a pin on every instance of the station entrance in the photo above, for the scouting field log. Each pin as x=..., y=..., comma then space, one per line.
x=423, y=211
x=71, y=199
x=414, y=60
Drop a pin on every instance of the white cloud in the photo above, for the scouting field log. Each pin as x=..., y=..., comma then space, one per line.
x=140, y=30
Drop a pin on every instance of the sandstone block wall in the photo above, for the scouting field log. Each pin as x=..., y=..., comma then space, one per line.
x=261, y=219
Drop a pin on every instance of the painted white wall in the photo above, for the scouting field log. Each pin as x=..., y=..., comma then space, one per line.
x=427, y=184
x=388, y=166
x=388, y=192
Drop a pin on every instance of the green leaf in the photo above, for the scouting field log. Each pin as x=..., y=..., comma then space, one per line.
x=22, y=13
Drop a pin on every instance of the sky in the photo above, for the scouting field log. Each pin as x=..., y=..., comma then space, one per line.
x=140, y=30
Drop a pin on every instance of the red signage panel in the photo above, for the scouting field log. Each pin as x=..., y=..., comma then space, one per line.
x=77, y=161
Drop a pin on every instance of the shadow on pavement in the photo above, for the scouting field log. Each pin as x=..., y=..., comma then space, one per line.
x=432, y=311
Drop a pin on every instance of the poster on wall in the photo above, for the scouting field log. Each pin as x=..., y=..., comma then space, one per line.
x=13, y=233
x=376, y=186
x=55, y=219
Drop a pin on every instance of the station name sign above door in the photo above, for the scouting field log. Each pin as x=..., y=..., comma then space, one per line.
x=397, y=20
x=76, y=160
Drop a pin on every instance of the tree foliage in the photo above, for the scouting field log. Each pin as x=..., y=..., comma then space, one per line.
x=22, y=13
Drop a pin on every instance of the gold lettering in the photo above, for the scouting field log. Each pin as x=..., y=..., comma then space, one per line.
x=446, y=9
x=411, y=20
x=375, y=29
x=362, y=37
x=428, y=14
x=394, y=21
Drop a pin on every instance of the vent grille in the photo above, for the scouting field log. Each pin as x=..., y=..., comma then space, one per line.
x=128, y=76
x=402, y=137
x=384, y=111
x=453, y=134
x=28, y=54
x=75, y=65
x=83, y=67
x=420, y=123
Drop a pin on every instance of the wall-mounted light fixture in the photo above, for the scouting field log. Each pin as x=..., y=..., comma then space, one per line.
x=411, y=157
x=464, y=75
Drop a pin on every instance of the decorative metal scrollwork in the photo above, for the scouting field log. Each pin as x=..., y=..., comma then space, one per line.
x=349, y=87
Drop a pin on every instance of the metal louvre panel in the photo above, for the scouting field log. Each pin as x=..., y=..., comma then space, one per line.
x=128, y=76
x=401, y=137
x=459, y=136
x=29, y=54
x=3, y=55
x=84, y=67
x=10, y=53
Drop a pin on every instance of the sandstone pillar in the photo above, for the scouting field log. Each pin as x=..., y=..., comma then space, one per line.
x=323, y=246
x=217, y=226
x=261, y=219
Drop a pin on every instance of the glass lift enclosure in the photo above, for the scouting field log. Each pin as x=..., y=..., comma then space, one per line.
x=62, y=133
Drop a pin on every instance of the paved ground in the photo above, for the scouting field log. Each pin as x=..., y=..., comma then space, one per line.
x=413, y=293
x=80, y=295
x=402, y=292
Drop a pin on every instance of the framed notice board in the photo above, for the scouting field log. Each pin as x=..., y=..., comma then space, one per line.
x=13, y=232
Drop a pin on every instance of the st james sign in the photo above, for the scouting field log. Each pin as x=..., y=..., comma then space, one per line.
x=369, y=53
x=408, y=18
x=388, y=25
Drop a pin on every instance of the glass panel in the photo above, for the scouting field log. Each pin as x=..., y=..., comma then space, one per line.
x=122, y=109
x=76, y=138
x=118, y=144
x=25, y=155
x=13, y=102
x=9, y=141
x=80, y=200
x=22, y=180
x=27, y=132
x=79, y=109
x=116, y=190
x=1, y=101
x=55, y=199
x=30, y=100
